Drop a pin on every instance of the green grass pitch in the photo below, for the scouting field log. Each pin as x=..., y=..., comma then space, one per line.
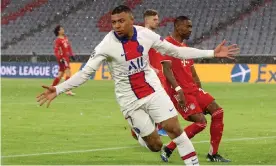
x=90, y=129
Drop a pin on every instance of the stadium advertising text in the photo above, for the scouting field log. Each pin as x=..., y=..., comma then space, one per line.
x=252, y=73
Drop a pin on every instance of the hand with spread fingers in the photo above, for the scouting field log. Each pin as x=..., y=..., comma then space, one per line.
x=222, y=51
x=48, y=96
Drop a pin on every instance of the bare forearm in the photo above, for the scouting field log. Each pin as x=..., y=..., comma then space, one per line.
x=170, y=77
x=75, y=81
x=197, y=81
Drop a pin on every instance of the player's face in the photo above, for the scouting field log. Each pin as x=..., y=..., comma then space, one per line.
x=61, y=31
x=184, y=28
x=122, y=23
x=152, y=22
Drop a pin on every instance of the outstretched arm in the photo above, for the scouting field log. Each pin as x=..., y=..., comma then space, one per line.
x=76, y=80
x=82, y=76
x=166, y=48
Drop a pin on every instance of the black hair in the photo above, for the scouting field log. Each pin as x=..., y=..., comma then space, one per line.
x=56, y=30
x=180, y=19
x=121, y=8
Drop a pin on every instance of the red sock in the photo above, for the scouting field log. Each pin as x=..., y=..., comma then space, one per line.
x=216, y=130
x=194, y=128
x=188, y=156
x=191, y=131
x=56, y=81
x=171, y=146
x=67, y=77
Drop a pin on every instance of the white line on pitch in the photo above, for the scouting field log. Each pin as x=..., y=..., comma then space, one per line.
x=126, y=147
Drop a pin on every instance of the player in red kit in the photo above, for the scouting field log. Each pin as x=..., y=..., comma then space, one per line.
x=192, y=102
x=63, y=52
x=152, y=22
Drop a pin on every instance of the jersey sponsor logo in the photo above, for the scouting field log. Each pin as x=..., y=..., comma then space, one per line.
x=136, y=64
x=185, y=62
x=240, y=73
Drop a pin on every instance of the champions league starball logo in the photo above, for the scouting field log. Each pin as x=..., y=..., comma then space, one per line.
x=55, y=71
x=240, y=73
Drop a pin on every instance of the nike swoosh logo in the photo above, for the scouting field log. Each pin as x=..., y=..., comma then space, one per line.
x=171, y=109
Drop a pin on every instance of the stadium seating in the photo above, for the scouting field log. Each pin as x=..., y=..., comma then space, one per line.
x=255, y=32
x=32, y=19
x=4, y=4
x=13, y=6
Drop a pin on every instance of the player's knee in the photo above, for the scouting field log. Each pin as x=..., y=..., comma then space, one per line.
x=172, y=126
x=155, y=147
x=213, y=107
x=202, y=120
x=174, y=130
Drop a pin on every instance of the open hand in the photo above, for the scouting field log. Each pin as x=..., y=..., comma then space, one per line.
x=48, y=95
x=222, y=51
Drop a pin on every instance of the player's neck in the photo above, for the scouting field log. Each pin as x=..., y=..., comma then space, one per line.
x=177, y=37
x=130, y=34
x=61, y=36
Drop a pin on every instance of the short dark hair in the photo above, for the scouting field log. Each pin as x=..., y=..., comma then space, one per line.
x=56, y=30
x=150, y=12
x=180, y=19
x=120, y=9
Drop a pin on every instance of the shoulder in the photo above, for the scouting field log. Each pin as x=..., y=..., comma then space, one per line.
x=57, y=41
x=105, y=43
x=140, y=28
x=146, y=33
x=66, y=38
x=169, y=39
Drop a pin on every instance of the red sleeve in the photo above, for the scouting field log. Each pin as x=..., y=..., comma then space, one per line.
x=57, y=49
x=166, y=58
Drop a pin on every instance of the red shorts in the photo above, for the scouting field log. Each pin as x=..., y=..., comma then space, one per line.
x=196, y=102
x=64, y=66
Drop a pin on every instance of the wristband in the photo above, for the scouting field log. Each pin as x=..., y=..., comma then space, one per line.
x=178, y=88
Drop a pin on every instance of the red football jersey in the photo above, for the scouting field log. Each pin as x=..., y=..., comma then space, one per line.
x=62, y=48
x=181, y=69
x=155, y=61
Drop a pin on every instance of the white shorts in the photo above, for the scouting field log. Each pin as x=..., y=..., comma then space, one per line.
x=156, y=108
